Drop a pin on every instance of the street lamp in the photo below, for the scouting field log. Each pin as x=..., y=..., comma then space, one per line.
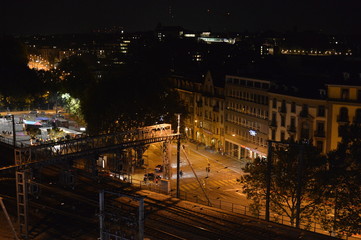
x=178, y=153
x=14, y=130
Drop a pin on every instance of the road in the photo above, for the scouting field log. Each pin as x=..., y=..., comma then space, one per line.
x=220, y=183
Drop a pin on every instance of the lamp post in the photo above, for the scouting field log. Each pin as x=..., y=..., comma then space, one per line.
x=14, y=132
x=178, y=154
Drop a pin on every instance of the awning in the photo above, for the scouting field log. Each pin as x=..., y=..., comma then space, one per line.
x=32, y=123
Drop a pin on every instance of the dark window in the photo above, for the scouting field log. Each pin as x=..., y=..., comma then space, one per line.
x=344, y=94
x=359, y=95
x=273, y=116
x=304, y=112
x=293, y=122
x=282, y=136
x=343, y=117
x=273, y=134
x=320, y=127
x=293, y=107
x=321, y=111
x=340, y=129
x=283, y=121
x=305, y=130
x=319, y=146
x=358, y=116
x=283, y=107
x=305, y=108
x=274, y=103
x=261, y=99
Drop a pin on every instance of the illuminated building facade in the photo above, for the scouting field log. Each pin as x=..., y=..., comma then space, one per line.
x=205, y=103
x=246, y=117
x=344, y=104
x=209, y=117
x=187, y=91
x=298, y=119
x=240, y=118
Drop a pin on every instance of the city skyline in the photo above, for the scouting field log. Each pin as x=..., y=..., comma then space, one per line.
x=42, y=17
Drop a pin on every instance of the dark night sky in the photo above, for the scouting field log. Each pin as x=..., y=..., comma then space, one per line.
x=68, y=16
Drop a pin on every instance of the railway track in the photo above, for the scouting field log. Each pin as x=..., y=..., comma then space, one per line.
x=193, y=221
x=153, y=232
x=165, y=217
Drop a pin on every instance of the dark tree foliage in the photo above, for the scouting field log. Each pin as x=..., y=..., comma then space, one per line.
x=293, y=166
x=20, y=86
x=131, y=95
x=134, y=96
x=340, y=185
x=76, y=74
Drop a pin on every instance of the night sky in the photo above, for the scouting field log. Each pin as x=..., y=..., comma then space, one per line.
x=71, y=16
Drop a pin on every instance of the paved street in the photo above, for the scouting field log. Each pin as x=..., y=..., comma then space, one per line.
x=220, y=183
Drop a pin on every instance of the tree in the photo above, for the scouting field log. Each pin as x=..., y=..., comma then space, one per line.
x=20, y=86
x=131, y=95
x=136, y=96
x=76, y=74
x=340, y=185
x=294, y=167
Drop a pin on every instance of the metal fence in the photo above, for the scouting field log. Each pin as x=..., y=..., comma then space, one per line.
x=239, y=209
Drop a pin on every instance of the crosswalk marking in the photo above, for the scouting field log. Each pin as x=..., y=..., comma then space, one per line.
x=208, y=183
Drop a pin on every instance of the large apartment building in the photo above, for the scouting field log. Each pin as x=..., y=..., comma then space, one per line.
x=240, y=118
x=205, y=103
x=298, y=118
x=344, y=104
x=246, y=117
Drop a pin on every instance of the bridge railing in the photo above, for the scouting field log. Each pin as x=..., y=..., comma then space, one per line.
x=91, y=144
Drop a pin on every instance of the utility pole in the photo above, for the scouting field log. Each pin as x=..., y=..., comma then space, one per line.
x=178, y=154
x=14, y=130
x=178, y=166
x=101, y=214
x=268, y=180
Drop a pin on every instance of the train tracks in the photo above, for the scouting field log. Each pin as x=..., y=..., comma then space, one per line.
x=165, y=217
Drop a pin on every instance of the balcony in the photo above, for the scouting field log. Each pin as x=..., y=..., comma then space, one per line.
x=320, y=133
